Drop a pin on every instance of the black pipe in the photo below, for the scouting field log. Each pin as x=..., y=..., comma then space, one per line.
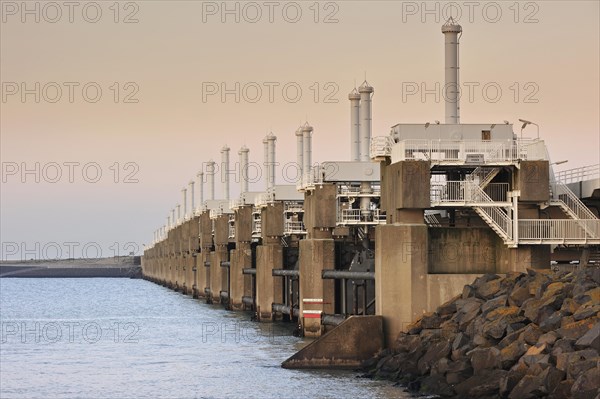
x=332, y=319
x=347, y=274
x=225, y=263
x=249, y=271
x=285, y=272
x=281, y=308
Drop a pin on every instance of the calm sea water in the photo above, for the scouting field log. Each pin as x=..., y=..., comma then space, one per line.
x=120, y=338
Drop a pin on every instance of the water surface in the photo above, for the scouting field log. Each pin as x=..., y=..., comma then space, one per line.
x=119, y=338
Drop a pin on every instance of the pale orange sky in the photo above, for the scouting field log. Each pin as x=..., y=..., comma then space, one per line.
x=170, y=52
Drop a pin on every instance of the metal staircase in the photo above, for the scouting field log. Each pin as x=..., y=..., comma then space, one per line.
x=483, y=176
x=582, y=228
x=495, y=216
x=469, y=193
x=561, y=196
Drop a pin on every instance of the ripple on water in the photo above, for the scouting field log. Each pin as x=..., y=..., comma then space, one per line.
x=131, y=338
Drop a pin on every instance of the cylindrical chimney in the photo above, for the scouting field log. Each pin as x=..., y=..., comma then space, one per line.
x=271, y=139
x=307, y=146
x=173, y=220
x=200, y=176
x=192, y=202
x=365, y=121
x=225, y=171
x=266, y=168
x=299, y=151
x=451, y=31
x=210, y=170
x=243, y=153
x=184, y=194
x=354, y=98
x=178, y=213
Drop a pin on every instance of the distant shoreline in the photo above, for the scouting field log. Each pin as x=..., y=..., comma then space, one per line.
x=122, y=266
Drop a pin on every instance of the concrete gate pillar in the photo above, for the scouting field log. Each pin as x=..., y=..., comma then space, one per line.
x=316, y=294
x=401, y=257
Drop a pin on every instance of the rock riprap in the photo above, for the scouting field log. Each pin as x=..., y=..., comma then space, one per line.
x=523, y=335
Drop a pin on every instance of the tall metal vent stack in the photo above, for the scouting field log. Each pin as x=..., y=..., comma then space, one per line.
x=200, y=176
x=365, y=91
x=271, y=139
x=265, y=169
x=225, y=171
x=184, y=202
x=210, y=170
x=243, y=153
x=307, y=149
x=192, y=198
x=354, y=98
x=452, y=31
x=299, y=151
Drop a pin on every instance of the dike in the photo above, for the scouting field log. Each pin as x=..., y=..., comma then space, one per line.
x=524, y=335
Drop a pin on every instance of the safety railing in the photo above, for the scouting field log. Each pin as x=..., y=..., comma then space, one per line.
x=293, y=207
x=482, y=175
x=562, y=193
x=496, y=218
x=497, y=191
x=466, y=192
x=559, y=231
x=310, y=178
x=381, y=147
x=468, y=151
x=293, y=227
x=574, y=175
x=256, y=227
x=358, y=216
x=350, y=191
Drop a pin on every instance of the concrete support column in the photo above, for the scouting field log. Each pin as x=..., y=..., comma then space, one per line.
x=268, y=288
x=241, y=258
x=180, y=276
x=189, y=274
x=216, y=272
x=316, y=294
x=401, y=257
x=202, y=272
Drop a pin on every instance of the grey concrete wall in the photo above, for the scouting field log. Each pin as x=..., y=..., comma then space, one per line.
x=462, y=250
x=319, y=209
x=405, y=185
x=532, y=179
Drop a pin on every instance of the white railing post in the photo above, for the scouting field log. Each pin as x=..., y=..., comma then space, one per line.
x=515, y=215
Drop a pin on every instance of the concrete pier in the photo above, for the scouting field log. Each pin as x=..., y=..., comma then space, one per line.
x=269, y=256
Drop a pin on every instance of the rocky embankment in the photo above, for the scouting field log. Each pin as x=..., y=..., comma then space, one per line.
x=525, y=335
